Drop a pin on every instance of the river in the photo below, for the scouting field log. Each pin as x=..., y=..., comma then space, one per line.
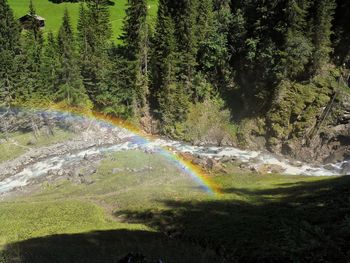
x=131, y=141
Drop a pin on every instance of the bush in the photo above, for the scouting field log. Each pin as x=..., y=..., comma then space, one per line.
x=209, y=123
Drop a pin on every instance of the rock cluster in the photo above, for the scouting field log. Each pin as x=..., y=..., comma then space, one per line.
x=83, y=140
x=332, y=143
x=324, y=140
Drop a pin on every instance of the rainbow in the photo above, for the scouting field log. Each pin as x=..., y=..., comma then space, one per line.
x=196, y=173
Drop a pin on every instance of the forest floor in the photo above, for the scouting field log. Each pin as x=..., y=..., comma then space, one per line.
x=137, y=202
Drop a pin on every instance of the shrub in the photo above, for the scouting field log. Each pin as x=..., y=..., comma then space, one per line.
x=209, y=123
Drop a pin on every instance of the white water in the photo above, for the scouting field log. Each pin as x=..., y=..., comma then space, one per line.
x=256, y=157
x=41, y=168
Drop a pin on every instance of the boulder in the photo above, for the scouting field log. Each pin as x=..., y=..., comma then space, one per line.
x=244, y=166
x=212, y=164
x=200, y=162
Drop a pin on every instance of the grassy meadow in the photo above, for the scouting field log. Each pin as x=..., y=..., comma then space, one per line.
x=79, y=213
x=53, y=13
x=151, y=207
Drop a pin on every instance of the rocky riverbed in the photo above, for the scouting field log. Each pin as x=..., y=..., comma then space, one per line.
x=95, y=139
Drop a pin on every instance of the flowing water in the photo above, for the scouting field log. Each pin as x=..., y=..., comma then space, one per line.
x=132, y=141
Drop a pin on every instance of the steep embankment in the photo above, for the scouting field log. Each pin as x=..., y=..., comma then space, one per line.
x=307, y=121
x=311, y=121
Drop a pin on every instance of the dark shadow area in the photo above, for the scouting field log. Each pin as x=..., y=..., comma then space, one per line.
x=105, y=246
x=302, y=222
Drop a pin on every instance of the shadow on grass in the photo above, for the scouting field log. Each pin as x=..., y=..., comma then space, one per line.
x=304, y=222
x=104, y=246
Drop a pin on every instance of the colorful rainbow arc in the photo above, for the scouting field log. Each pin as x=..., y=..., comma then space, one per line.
x=196, y=173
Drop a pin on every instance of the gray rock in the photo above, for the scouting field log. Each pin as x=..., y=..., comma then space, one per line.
x=60, y=172
x=244, y=166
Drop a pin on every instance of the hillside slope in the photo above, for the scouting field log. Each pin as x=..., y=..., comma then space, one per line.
x=53, y=13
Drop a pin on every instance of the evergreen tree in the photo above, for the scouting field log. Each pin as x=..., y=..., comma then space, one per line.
x=213, y=55
x=94, y=33
x=164, y=66
x=341, y=38
x=50, y=66
x=204, y=19
x=184, y=15
x=116, y=94
x=207, y=47
x=71, y=90
x=164, y=50
x=298, y=47
x=133, y=28
x=83, y=31
x=322, y=32
x=240, y=49
x=34, y=25
x=135, y=50
x=9, y=29
x=9, y=49
x=257, y=34
x=98, y=18
x=30, y=88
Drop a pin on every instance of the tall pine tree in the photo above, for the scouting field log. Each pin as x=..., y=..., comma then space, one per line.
x=71, y=91
x=50, y=66
x=298, y=47
x=135, y=48
x=9, y=49
x=322, y=32
x=213, y=55
x=31, y=91
x=174, y=63
x=94, y=33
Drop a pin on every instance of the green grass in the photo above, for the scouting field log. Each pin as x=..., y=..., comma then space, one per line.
x=45, y=218
x=53, y=13
x=89, y=234
x=128, y=189
x=74, y=211
x=19, y=143
x=256, y=218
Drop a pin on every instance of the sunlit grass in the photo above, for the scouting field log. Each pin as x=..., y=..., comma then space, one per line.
x=252, y=214
x=23, y=220
x=143, y=179
x=53, y=13
x=68, y=208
